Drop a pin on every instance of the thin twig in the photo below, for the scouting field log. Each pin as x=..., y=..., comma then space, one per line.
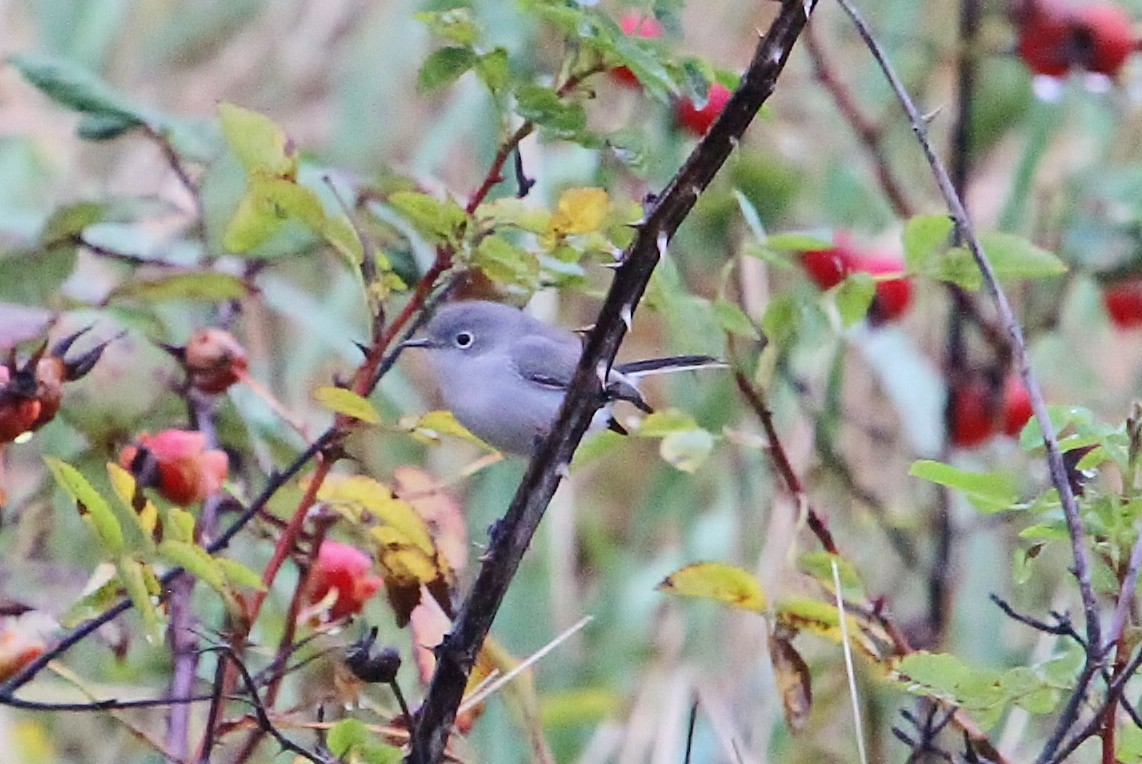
x=755, y=399
x=1126, y=594
x=871, y=136
x=1011, y=326
x=262, y=717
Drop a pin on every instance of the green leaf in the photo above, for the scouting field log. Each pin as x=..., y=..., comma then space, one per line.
x=444, y=67
x=179, y=524
x=854, y=296
x=686, y=450
x=1014, y=257
x=987, y=491
x=442, y=219
x=268, y=203
x=494, y=70
x=544, y=107
x=346, y=402
x=664, y=422
x=33, y=276
x=104, y=127
x=240, y=575
x=124, y=486
x=642, y=57
x=71, y=219
x=78, y=89
x=734, y=320
x=820, y=566
x=339, y=233
x=346, y=735
x=1063, y=417
x=1129, y=745
x=142, y=586
x=781, y=318
x=260, y=144
x=750, y=215
x=957, y=266
x=195, y=560
x=454, y=25
x=935, y=674
x=505, y=263
x=209, y=286
x=924, y=237
x=93, y=507
x=96, y=601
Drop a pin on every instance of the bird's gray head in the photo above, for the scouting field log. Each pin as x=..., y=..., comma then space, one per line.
x=469, y=328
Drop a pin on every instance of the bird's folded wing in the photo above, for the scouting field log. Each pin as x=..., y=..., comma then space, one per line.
x=546, y=361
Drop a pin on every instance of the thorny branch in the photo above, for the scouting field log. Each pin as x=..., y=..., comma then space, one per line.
x=513, y=533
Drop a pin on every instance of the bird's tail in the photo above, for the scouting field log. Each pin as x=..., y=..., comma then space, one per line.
x=636, y=369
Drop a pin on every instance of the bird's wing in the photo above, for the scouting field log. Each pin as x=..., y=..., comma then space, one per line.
x=545, y=359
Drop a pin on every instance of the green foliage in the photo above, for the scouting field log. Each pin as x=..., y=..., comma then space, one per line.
x=988, y=492
x=107, y=113
x=985, y=693
x=351, y=741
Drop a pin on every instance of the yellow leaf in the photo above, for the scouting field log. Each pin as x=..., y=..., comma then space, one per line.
x=820, y=618
x=346, y=402
x=364, y=493
x=401, y=561
x=123, y=483
x=260, y=144
x=430, y=427
x=717, y=581
x=580, y=210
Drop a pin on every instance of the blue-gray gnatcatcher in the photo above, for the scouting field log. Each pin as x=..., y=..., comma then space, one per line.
x=503, y=373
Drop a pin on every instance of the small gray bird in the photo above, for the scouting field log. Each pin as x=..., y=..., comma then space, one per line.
x=503, y=373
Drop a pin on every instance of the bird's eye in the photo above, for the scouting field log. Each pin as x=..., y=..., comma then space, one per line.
x=464, y=339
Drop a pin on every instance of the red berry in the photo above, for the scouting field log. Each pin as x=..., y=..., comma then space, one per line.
x=178, y=464
x=698, y=120
x=1124, y=303
x=1016, y=406
x=971, y=414
x=1046, y=37
x=893, y=296
x=635, y=25
x=827, y=267
x=1056, y=36
x=346, y=569
x=1104, y=37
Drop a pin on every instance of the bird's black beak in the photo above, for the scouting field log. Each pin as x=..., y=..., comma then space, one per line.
x=423, y=342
